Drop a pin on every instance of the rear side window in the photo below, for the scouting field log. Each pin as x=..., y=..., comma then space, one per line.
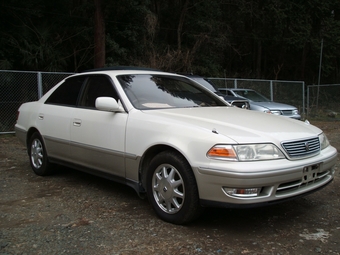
x=68, y=92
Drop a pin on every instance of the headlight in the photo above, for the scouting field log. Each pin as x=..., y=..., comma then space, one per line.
x=323, y=141
x=276, y=112
x=246, y=152
x=272, y=112
x=295, y=112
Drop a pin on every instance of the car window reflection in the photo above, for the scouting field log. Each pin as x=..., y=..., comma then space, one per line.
x=156, y=91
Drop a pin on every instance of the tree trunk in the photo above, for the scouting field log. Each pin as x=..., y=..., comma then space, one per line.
x=99, y=35
x=180, y=25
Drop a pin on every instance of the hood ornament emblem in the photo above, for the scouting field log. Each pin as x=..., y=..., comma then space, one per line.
x=307, y=146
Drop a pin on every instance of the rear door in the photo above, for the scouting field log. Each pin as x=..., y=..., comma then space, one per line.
x=55, y=115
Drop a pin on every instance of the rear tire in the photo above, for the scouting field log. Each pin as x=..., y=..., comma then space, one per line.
x=38, y=155
x=172, y=188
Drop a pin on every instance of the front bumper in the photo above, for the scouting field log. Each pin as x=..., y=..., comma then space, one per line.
x=277, y=179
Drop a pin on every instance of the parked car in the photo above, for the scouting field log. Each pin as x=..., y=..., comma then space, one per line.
x=233, y=100
x=260, y=103
x=174, y=141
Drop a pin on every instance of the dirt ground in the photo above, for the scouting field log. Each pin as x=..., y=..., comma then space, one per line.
x=75, y=213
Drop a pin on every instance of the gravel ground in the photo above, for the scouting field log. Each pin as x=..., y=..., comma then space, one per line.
x=75, y=213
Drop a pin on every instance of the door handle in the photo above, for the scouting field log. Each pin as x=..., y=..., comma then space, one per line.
x=77, y=122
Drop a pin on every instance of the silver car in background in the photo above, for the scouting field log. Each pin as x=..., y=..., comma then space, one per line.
x=259, y=102
x=233, y=100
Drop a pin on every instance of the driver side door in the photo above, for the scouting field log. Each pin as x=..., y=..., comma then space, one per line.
x=98, y=137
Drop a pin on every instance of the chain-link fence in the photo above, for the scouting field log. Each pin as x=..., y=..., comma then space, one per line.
x=17, y=87
x=323, y=101
x=287, y=92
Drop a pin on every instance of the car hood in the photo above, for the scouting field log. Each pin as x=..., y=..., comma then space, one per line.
x=274, y=105
x=240, y=125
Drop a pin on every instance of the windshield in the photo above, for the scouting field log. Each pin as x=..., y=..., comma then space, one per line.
x=161, y=91
x=252, y=95
x=206, y=83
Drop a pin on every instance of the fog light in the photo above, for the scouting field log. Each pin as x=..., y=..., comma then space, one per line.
x=250, y=192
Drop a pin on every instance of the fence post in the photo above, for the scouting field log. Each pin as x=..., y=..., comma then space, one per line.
x=307, y=101
x=235, y=83
x=271, y=91
x=39, y=85
x=303, y=99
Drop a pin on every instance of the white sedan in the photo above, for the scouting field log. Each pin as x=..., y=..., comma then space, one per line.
x=173, y=140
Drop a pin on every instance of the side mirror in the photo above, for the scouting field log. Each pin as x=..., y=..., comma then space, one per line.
x=108, y=104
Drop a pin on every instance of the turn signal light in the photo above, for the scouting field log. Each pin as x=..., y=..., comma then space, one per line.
x=223, y=151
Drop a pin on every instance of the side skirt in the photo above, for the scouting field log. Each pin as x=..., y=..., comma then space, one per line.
x=135, y=185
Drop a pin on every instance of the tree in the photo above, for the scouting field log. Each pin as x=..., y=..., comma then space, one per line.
x=99, y=35
x=270, y=39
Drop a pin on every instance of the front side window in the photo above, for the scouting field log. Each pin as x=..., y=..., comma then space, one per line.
x=229, y=93
x=96, y=86
x=161, y=91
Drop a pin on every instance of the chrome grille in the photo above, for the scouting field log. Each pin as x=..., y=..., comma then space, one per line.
x=303, y=148
x=287, y=112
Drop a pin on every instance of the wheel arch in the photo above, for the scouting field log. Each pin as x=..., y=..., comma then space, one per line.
x=30, y=132
x=149, y=155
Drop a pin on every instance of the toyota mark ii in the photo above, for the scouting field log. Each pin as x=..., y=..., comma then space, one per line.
x=174, y=141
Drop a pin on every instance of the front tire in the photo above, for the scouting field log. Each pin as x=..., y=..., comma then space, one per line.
x=172, y=188
x=38, y=155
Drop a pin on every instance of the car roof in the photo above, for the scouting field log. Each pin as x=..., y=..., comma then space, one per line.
x=126, y=70
x=120, y=68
